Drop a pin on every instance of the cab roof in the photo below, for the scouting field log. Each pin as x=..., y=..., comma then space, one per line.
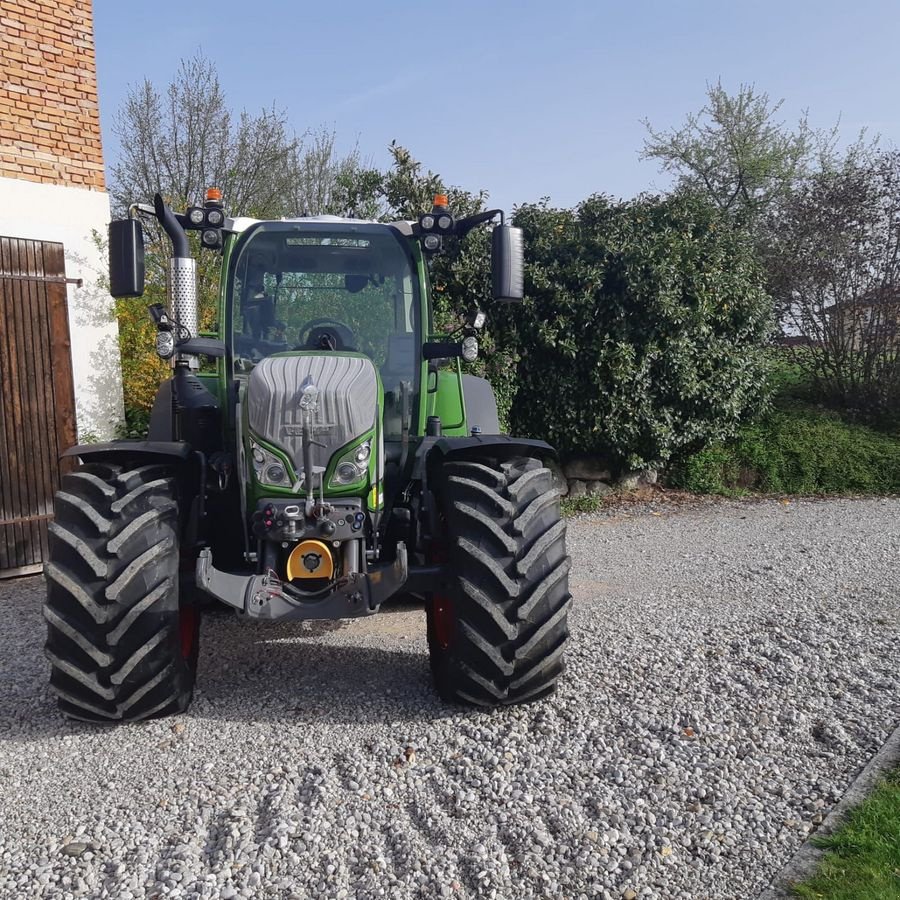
x=242, y=223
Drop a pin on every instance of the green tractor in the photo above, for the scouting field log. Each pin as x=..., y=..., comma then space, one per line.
x=317, y=453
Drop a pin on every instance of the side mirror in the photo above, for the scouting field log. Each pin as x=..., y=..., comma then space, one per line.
x=126, y=258
x=508, y=264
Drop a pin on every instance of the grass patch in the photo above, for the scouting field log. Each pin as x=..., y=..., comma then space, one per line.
x=863, y=858
x=798, y=447
x=797, y=451
x=573, y=506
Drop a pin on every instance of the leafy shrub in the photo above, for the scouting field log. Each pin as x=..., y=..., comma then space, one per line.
x=136, y=424
x=797, y=452
x=142, y=369
x=642, y=330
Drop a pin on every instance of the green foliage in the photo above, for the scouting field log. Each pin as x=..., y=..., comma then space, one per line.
x=713, y=470
x=136, y=424
x=863, y=862
x=142, y=370
x=796, y=451
x=735, y=151
x=641, y=331
x=587, y=504
x=461, y=274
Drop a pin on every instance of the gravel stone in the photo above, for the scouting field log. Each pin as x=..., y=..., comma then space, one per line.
x=732, y=666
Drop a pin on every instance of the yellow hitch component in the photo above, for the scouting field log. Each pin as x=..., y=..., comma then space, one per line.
x=310, y=559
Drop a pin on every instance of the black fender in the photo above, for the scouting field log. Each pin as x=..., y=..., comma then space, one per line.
x=500, y=445
x=435, y=451
x=152, y=451
x=189, y=465
x=481, y=404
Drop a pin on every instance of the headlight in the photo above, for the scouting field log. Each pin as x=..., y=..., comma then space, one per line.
x=470, y=349
x=353, y=466
x=165, y=344
x=267, y=467
x=427, y=223
x=211, y=238
x=275, y=474
x=346, y=473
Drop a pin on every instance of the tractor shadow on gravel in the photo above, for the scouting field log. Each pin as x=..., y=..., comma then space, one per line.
x=371, y=671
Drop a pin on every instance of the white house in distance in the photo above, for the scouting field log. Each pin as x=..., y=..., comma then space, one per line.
x=60, y=372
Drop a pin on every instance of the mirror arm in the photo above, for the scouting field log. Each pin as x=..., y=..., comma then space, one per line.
x=464, y=226
x=441, y=349
x=141, y=209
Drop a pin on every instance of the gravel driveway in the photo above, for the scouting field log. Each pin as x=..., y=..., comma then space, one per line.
x=733, y=665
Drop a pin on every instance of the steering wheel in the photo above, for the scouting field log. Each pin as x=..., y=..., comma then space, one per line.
x=314, y=334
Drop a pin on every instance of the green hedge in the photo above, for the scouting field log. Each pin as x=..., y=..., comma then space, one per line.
x=796, y=451
x=642, y=329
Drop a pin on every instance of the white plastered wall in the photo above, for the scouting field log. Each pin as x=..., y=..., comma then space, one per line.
x=68, y=215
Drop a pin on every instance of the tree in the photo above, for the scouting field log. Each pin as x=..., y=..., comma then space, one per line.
x=185, y=139
x=323, y=182
x=834, y=267
x=461, y=274
x=736, y=152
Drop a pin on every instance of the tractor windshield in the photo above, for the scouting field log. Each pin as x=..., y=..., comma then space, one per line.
x=308, y=287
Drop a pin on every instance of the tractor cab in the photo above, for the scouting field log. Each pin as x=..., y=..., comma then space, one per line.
x=329, y=287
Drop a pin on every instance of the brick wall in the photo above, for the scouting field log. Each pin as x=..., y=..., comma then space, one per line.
x=49, y=116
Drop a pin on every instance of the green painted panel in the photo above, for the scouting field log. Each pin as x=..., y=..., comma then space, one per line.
x=449, y=403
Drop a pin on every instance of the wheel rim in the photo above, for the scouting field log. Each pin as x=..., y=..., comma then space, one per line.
x=442, y=615
x=187, y=621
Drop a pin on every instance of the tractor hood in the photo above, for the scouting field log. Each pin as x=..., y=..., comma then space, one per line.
x=347, y=401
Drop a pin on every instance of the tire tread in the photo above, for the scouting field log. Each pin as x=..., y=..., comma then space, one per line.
x=112, y=606
x=508, y=583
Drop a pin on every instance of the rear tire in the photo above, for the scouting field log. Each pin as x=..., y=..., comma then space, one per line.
x=120, y=646
x=497, y=634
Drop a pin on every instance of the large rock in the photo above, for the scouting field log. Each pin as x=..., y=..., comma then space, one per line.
x=577, y=489
x=559, y=479
x=629, y=481
x=586, y=468
x=599, y=489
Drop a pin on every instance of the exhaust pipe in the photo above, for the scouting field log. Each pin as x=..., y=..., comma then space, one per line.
x=181, y=282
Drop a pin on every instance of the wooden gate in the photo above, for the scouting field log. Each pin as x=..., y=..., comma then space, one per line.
x=37, y=402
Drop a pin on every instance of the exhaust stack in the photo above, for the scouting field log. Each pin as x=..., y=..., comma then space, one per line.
x=181, y=280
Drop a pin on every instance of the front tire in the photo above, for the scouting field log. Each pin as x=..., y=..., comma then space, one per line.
x=121, y=647
x=498, y=630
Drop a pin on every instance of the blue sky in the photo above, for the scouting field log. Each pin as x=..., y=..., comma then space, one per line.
x=525, y=99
